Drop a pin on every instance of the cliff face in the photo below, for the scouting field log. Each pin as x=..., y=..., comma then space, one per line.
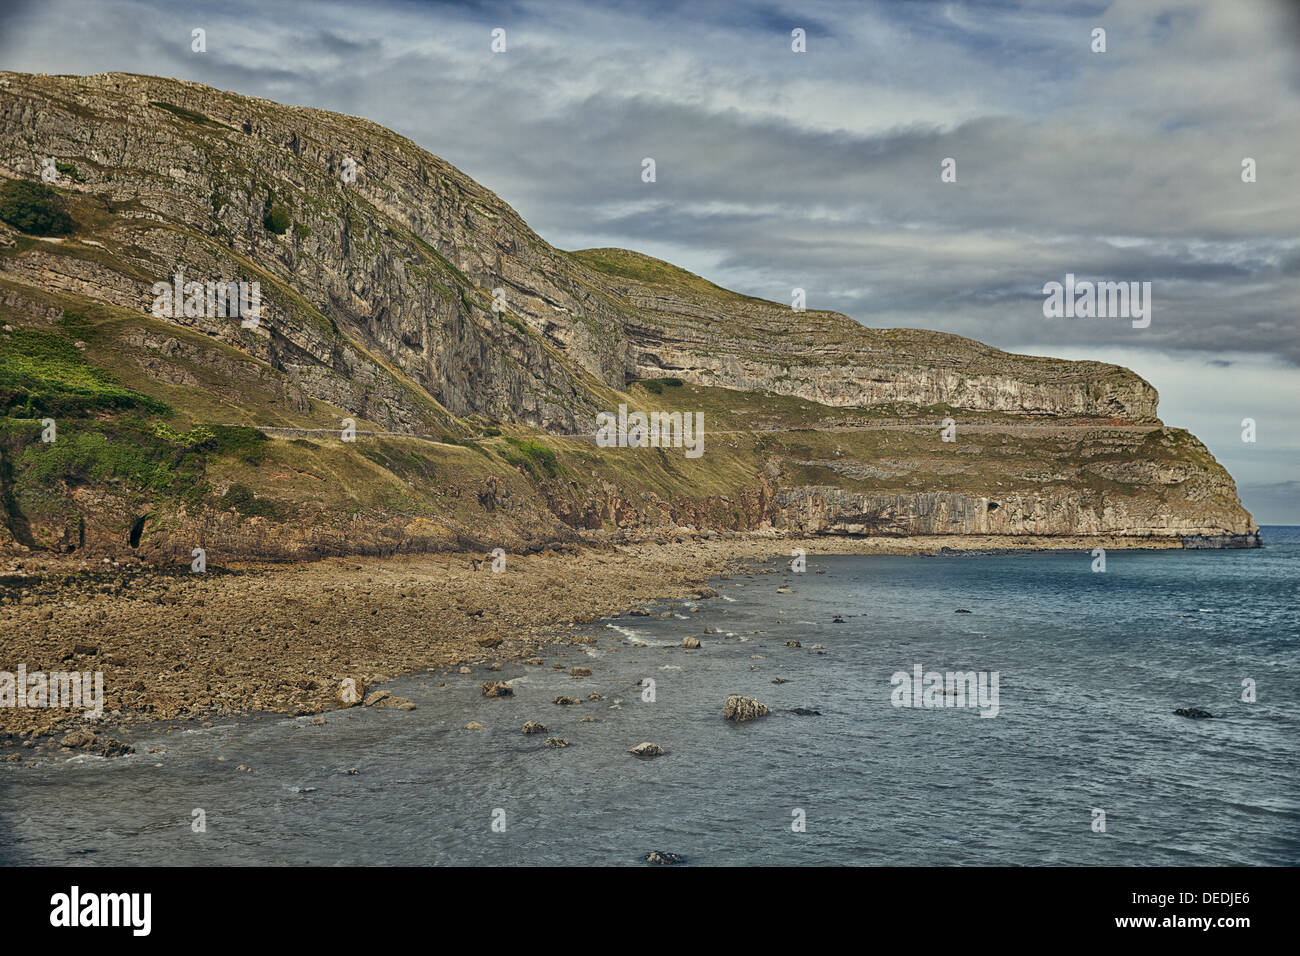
x=377, y=305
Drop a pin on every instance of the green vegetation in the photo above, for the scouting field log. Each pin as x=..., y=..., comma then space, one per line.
x=43, y=373
x=101, y=452
x=69, y=170
x=626, y=264
x=657, y=385
x=189, y=115
x=534, y=457
x=34, y=208
x=243, y=499
x=276, y=219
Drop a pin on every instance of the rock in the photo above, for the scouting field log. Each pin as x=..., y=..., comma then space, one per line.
x=837, y=619
x=588, y=720
x=115, y=748
x=473, y=725
x=78, y=739
x=778, y=680
x=662, y=858
x=817, y=647
x=556, y=742
x=466, y=670
x=564, y=701
x=594, y=696
x=396, y=703
x=577, y=672
x=1193, y=713
x=690, y=642
x=491, y=640
x=535, y=727
x=647, y=749
x=784, y=591
x=743, y=708
x=85, y=739
x=961, y=610
x=86, y=649
x=638, y=612
x=377, y=697
x=497, y=688
x=793, y=644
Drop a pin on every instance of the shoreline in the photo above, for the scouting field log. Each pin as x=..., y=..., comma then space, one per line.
x=282, y=638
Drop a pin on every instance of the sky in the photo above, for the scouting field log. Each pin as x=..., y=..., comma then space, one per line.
x=821, y=169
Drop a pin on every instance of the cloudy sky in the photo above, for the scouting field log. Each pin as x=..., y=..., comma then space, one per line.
x=821, y=169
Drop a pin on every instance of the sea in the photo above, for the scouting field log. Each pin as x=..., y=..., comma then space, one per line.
x=1054, y=741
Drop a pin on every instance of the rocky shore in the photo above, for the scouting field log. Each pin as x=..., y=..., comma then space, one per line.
x=306, y=638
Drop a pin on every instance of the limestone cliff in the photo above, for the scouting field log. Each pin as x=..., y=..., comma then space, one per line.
x=378, y=288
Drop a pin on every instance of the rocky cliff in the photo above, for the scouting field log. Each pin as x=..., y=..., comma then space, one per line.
x=399, y=294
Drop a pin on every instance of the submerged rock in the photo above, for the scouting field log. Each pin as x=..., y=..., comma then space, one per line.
x=805, y=712
x=743, y=708
x=1193, y=713
x=662, y=858
x=87, y=741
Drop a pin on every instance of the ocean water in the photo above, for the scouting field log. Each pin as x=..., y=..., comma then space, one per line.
x=1090, y=668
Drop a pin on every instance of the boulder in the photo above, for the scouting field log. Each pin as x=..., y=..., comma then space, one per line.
x=743, y=708
x=690, y=642
x=535, y=727
x=351, y=692
x=79, y=739
x=647, y=749
x=497, y=688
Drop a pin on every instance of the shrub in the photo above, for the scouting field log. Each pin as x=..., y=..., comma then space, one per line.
x=276, y=219
x=34, y=208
